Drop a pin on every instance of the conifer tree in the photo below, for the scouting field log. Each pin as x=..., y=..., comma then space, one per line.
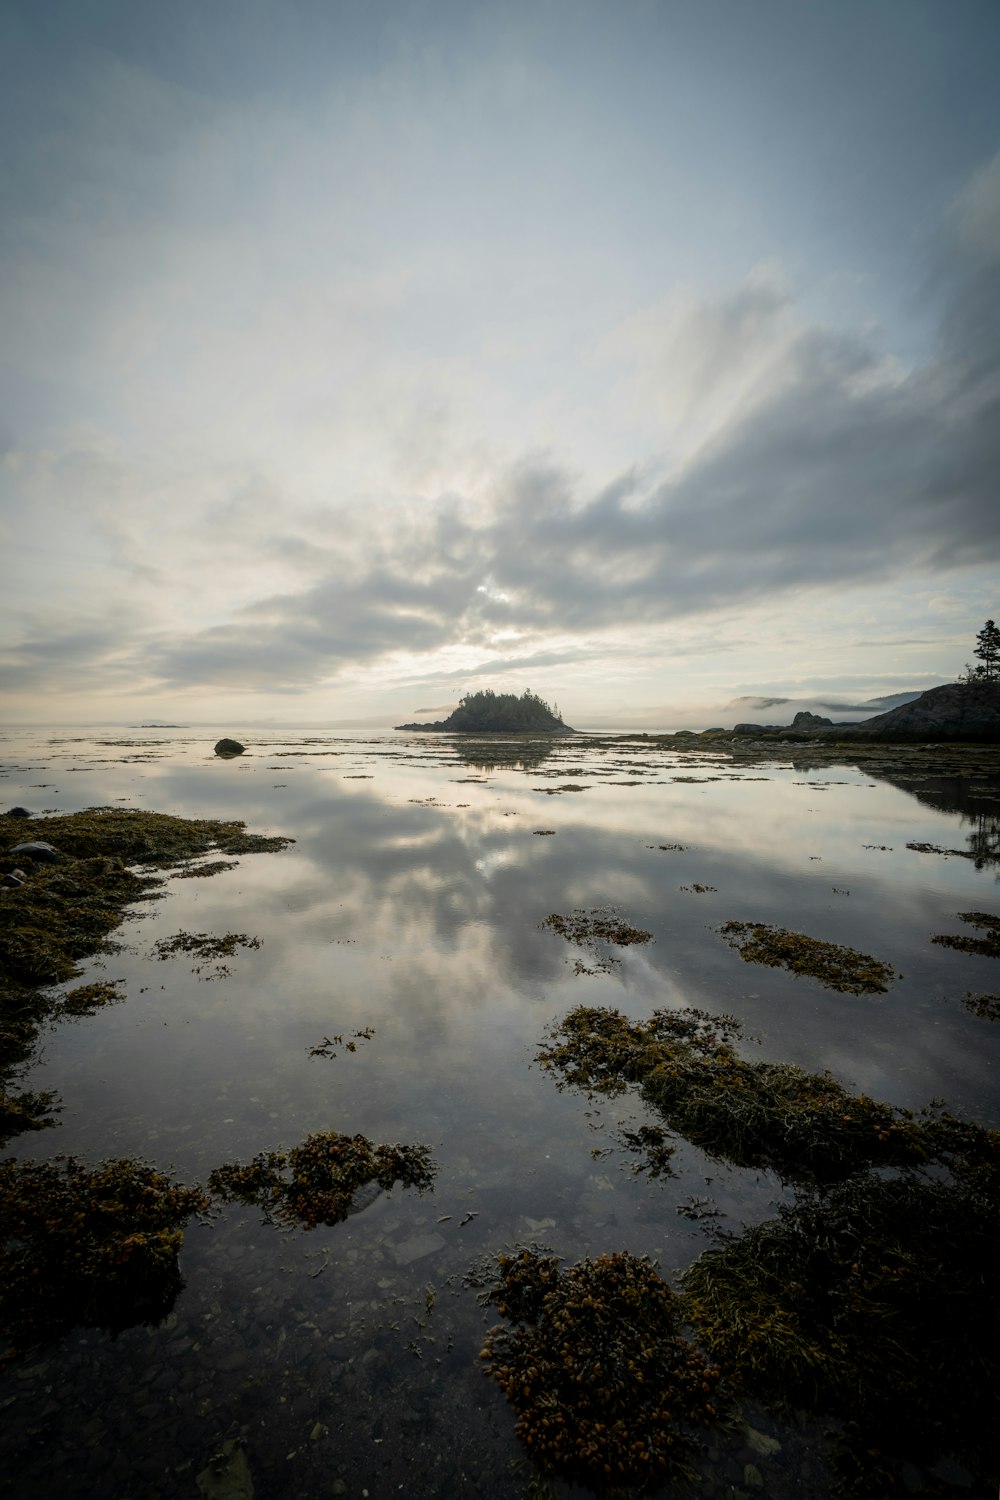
x=987, y=648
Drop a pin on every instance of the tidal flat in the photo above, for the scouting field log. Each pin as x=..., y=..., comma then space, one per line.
x=390, y=980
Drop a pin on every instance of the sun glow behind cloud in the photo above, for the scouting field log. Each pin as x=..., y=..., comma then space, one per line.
x=349, y=353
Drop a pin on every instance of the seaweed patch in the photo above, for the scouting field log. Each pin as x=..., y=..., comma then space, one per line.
x=985, y=1006
x=316, y=1183
x=606, y=1390
x=988, y=946
x=836, y=966
x=84, y=999
x=327, y=1047
x=94, y=1247
x=865, y=1303
x=206, y=948
x=597, y=930
x=805, y=1126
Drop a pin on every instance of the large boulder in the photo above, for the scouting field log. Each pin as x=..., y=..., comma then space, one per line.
x=228, y=748
x=805, y=720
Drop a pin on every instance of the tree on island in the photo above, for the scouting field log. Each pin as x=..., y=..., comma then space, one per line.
x=506, y=713
x=987, y=648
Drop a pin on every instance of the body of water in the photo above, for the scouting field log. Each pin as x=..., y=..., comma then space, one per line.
x=408, y=918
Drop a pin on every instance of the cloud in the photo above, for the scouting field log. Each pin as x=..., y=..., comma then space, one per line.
x=815, y=463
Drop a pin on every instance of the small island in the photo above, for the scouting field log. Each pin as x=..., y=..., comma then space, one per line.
x=487, y=712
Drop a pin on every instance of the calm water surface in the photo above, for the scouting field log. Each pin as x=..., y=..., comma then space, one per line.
x=411, y=903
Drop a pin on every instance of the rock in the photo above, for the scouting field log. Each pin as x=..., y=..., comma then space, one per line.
x=227, y=1475
x=40, y=852
x=18, y=812
x=761, y=1443
x=228, y=748
x=957, y=711
x=806, y=720
x=12, y=879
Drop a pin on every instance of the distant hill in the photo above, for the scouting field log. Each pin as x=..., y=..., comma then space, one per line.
x=500, y=713
x=964, y=711
x=753, y=703
x=957, y=711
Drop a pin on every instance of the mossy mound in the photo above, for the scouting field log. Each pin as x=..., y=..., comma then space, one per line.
x=835, y=966
x=805, y=1126
x=315, y=1183
x=93, y=1247
x=606, y=1390
x=877, y=1303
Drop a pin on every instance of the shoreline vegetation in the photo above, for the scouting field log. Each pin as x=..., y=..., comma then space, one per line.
x=487, y=712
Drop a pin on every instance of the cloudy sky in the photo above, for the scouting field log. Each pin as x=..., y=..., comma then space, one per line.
x=355, y=355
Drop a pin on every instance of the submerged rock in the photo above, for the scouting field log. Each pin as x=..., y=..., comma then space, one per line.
x=229, y=748
x=227, y=1475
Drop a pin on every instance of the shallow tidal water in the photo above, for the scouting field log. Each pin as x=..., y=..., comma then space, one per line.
x=411, y=905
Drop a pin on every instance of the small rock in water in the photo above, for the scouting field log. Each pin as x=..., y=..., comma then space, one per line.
x=18, y=812
x=227, y=748
x=42, y=852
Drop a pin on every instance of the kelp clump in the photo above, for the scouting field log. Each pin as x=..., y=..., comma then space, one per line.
x=94, y=1247
x=316, y=1183
x=803, y=1125
x=606, y=1390
x=875, y=1302
x=597, y=930
x=988, y=946
x=837, y=967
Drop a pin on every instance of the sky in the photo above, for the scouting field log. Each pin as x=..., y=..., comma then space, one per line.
x=359, y=355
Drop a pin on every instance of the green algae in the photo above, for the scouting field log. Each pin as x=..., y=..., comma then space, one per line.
x=607, y=1391
x=835, y=966
x=93, y=1247
x=315, y=1183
